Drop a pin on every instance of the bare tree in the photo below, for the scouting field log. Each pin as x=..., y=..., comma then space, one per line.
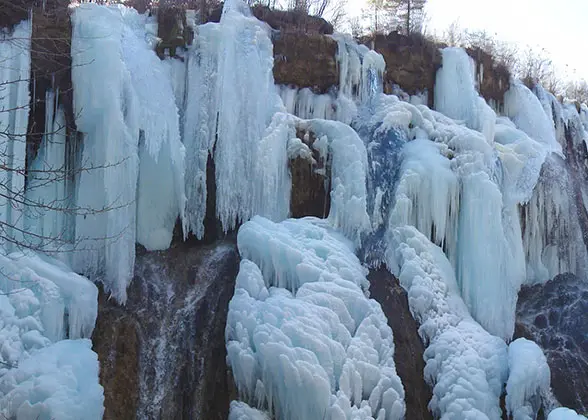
x=577, y=91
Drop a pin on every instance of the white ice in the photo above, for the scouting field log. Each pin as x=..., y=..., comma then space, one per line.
x=302, y=338
x=107, y=112
x=528, y=379
x=465, y=365
x=563, y=413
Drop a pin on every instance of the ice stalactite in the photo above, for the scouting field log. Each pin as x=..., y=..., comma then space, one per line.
x=50, y=193
x=15, y=56
x=160, y=192
x=302, y=338
x=105, y=233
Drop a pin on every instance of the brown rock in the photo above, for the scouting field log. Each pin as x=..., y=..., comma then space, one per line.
x=163, y=354
x=306, y=60
x=493, y=78
x=409, y=349
x=310, y=188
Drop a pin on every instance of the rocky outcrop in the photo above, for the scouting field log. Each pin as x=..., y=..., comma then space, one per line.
x=408, y=347
x=311, y=178
x=555, y=316
x=163, y=354
x=493, y=79
x=306, y=60
x=411, y=62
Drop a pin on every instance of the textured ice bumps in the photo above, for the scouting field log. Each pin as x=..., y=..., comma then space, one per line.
x=303, y=340
x=42, y=374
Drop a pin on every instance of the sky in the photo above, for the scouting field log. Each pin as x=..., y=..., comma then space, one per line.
x=557, y=26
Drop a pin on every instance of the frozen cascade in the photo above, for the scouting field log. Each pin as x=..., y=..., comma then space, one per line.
x=302, y=338
x=247, y=101
x=235, y=115
x=200, y=110
x=465, y=365
x=15, y=59
x=105, y=234
x=160, y=192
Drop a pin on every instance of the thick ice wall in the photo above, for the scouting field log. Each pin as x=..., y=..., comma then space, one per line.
x=465, y=365
x=302, y=338
x=160, y=193
x=528, y=379
x=563, y=413
x=456, y=95
x=15, y=63
x=459, y=170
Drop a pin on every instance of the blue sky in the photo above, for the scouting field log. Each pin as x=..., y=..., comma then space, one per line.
x=557, y=26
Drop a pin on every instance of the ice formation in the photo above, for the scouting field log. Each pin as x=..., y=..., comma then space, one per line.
x=241, y=411
x=564, y=414
x=106, y=232
x=15, y=59
x=302, y=338
x=528, y=379
x=466, y=366
x=41, y=374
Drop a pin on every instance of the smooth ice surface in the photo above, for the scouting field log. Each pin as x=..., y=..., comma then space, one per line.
x=528, y=379
x=466, y=366
x=57, y=382
x=302, y=338
x=107, y=112
x=15, y=63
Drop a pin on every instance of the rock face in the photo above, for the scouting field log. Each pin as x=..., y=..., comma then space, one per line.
x=163, y=354
x=409, y=349
x=411, y=62
x=310, y=183
x=555, y=316
x=493, y=79
x=305, y=60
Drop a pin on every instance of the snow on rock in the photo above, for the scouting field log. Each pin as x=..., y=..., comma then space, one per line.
x=528, y=380
x=466, y=366
x=107, y=112
x=349, y=166
x=302, y=338
x=57, y=382
x=41, y=303
x=15, y=64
